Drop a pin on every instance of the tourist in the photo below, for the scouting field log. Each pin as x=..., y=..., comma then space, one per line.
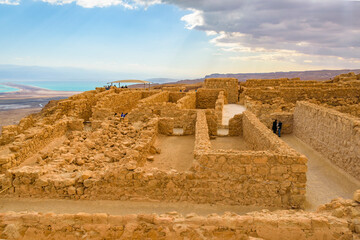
x=274, y=127
x=279, y=128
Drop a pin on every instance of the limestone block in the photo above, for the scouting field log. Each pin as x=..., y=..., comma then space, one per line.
x=279, y=170
x=166, y=126
x=357, y=196
x=297, y=168
x=71, y=190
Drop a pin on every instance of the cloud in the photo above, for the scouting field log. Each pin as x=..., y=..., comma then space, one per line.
x=130, y=4
x=193, y=19
x=308, y=27
x=10, y=2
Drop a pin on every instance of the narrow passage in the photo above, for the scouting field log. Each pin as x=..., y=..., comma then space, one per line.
x=325, y=181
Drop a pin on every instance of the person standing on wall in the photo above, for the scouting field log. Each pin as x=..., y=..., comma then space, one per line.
x=274, y=126
x=279, y=126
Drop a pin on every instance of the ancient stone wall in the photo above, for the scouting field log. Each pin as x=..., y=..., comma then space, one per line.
x=174, y=89
x=229, y=85
x=293, y=94
x=202, y=139
x=260, y=137
x=112, y=103
x=279, y=171
x=219, y=106
x=29, y=143
x=333, y=134
x=148, y=107
x=256, y=178
x=232, y=177
x=280, y=225
x=187, y=102
x=236, y=125
x=36, y=131
x=166, y=126
x=176, y=96
x=212, y=121
x=206, y=98
x=286, y=118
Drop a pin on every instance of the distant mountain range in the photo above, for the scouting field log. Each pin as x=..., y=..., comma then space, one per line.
x=28, y=73
x=303, y=75
x=37, y=73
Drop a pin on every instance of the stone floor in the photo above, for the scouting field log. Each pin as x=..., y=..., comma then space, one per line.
x=61, y=206
x=177, y=152
x=230, y=110
x=325, y=181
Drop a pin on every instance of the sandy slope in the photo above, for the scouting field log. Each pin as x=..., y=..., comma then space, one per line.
x=14, y=116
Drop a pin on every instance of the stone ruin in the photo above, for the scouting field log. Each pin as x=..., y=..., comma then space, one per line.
x=81, y=148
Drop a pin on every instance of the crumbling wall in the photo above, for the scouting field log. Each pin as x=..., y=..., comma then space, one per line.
x=260, y=178
x=280, y=225
x=29, y=143
x=118, y=103
x=206, y=98
x=166, y=126
x=36, y=131
x=236, y=125
x=333, y=134
x=229, y=85
x=150, y=106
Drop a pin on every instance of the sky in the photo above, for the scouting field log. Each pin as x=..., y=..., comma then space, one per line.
x=181, y=38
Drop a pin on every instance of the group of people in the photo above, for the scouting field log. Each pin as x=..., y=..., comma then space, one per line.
x=276, y=127
x=108, y=87
x=122, y=116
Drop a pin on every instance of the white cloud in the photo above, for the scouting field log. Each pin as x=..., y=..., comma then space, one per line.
x=10, y=2
x=193, y=19
x=130, y=4
x=313, y=28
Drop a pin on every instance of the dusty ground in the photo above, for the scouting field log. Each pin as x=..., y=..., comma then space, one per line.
x=117, y=207
x=11, y=117
x=325, y=181
x=176, y=152
x=235, y=143
x=230, y=110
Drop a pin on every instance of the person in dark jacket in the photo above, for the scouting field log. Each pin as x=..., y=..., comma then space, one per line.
x=274, y=127
x=279, y=128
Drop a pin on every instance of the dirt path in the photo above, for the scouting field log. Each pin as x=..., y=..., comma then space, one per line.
x=177, y=152
x=229, y=111
x=325, y=181
x=117, y=207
